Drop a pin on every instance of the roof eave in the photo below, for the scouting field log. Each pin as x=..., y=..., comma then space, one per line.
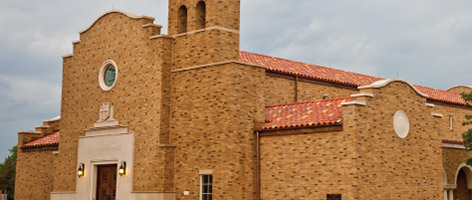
x=301, y=130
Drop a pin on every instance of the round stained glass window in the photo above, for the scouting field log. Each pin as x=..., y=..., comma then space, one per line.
x=110, y=75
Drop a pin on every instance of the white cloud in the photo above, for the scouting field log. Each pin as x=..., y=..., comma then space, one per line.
x=22, y=98
x=426, y=42
x=24, y=103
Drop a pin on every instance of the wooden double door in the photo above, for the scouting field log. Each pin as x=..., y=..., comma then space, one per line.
x=106, y=182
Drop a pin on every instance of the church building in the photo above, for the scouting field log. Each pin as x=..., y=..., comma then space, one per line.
x=187, y=115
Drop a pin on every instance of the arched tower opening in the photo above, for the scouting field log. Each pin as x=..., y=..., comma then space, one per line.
x=463, y=183
x=201, y=15
x=182, y=19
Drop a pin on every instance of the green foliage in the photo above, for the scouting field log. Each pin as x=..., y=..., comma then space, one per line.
x=469, y=161
x=467, y=139
x=468, y=99
x=467, y=136
x=7, y=173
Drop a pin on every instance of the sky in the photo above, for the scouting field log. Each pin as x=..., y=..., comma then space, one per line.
x=427, y=42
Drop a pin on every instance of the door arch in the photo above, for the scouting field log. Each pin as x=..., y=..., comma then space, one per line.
x=463, y=182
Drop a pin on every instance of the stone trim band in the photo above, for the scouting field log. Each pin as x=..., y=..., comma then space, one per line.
x=217, y=64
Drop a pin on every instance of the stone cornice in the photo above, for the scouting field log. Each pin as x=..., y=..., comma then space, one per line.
x=383, y=83
x=130, y=15
x=217, y=64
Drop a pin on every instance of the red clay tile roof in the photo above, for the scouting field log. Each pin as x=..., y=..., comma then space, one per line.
x=441, y=95
x=336, y=76
x=308, y=70
x=304, y=115
x=48, y=141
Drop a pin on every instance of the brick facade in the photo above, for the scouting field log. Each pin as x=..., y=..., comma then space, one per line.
x=195, y=103
x=363, y=161
x=126, y=41
x=35, y=164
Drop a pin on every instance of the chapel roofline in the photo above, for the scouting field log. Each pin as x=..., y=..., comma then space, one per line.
x=340, y=77
x=385, y=82
x=459, y=86
x=127, y=14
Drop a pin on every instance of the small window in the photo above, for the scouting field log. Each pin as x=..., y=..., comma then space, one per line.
x=206, y=189
x=182, y=20
x=108, y=75
x=333, y=197
x=201, y=15
x=451, y=121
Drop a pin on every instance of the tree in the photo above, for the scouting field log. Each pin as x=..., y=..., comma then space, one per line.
x=7, y=173
x=467, y=136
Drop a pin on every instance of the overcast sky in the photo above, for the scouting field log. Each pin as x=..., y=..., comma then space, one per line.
x=427, y=42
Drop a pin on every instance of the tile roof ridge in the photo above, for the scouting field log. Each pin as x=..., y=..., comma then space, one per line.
x=442, y=91
x=307, y=102
x=283, y=59
x=434, y=94
x=416, y=85
x=333, y=68
x=305, y=63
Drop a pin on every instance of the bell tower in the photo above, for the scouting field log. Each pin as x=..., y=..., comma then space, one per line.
x=204, y=31
x=214, y=104
x=192, y=15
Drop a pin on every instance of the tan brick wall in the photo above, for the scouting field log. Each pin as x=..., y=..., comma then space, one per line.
x=208, y=46
x=308, y=166
x=279, y=90
x=223, y=13
x=283, y=89
x=460, y=89
x=367, y=160
x=391, y=167
x=214, y=110
x=452, y=159
x=35, y=174
x=205, y=103
x=48, y=127
x=458, y=116
x=314, y=91
x=136, y=97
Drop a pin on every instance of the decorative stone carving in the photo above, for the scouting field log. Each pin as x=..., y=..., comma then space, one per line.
x=105, y=116
x=105, y=112
x=401, y=124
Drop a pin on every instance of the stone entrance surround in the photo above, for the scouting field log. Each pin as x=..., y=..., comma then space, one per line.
x=104, y=144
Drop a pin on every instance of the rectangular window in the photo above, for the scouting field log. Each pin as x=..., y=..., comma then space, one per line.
x=206, y=190
x=450, y=122
x=333, y=197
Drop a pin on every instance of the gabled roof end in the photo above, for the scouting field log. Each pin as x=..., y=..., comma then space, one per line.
x=385, y=82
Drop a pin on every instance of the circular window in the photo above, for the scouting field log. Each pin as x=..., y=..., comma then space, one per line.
x=401, y=124
x=108, y=75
